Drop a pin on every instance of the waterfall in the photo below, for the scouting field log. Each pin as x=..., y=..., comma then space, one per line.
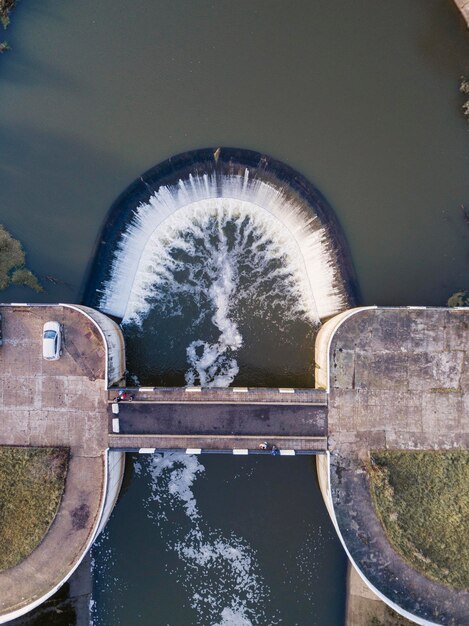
x=306, y=246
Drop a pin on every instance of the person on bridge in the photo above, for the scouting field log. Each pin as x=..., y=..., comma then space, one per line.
x=124, y=395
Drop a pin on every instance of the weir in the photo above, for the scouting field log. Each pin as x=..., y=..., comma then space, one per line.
x=231, y=248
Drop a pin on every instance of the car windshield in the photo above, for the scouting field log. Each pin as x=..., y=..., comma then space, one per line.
x=49, y=334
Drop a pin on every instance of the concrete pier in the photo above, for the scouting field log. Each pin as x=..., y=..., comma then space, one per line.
x=463, y=6
x=59, y=403
x=397, y=379
x=387, y=378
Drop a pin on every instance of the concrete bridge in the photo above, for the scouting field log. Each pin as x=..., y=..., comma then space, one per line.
x=234, y=420
x=388, y=378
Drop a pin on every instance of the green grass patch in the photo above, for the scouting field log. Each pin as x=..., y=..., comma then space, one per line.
x=12, y=263
x=31, y=485
x=422, y=500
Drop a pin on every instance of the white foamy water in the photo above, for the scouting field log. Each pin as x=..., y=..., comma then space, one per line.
x=219, y=573
x=211, y=251
x=282, y=219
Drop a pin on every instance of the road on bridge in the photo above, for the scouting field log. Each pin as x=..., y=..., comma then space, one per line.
x=226, y=413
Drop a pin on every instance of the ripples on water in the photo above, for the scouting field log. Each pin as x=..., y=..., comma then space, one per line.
x=219, y=573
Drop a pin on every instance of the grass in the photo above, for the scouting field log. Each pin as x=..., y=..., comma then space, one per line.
x=422, y=500
x=31, y=486
x=12, y=263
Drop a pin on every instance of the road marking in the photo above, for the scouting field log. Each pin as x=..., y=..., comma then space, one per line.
x=240, y=389
x=146, y=388
x=286, y=390
x=147, y=450
x=115, y=425
x=193, y=389
x=240, y=451
x=194, y=451
x=287, y=453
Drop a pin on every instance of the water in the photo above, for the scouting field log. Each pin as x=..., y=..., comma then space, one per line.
x=223, y=559
x=237, y=251
x=362, y=98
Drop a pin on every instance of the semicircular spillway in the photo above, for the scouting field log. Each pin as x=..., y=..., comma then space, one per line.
x=212, y=233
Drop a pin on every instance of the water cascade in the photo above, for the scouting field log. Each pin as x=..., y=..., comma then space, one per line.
x=221, y=242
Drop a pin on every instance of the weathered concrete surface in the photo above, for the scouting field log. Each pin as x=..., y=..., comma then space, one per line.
x=463, y=6
x=364, y=607
x=48, y=403
x=399, y=379
x=54, y=403
x=69, y=606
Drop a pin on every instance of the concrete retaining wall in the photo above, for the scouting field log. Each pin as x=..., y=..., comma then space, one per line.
x=113, y=341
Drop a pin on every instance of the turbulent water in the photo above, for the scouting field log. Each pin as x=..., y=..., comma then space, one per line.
x=220, y=257
x=219, y=541
x=219, y=573
x=216, y=278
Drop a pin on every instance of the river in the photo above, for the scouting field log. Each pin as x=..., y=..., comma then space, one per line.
x=361, y=98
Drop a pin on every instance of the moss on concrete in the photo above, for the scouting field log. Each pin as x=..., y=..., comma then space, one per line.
x=422, y=500
x=31, y=485
x=12, y=263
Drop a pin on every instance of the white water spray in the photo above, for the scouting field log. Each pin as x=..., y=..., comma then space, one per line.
x=218, y=245
x=302, y=238
x=219, y=573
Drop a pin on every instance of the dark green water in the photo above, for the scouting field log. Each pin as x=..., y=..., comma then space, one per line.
x=362, y=98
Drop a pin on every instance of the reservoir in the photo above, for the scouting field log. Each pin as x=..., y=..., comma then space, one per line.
x=363, y=100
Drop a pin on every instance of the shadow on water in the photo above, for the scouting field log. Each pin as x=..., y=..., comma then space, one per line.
x=449, y=55
x=48, y=176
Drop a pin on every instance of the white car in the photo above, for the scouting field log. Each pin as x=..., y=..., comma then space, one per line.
x=52, y=341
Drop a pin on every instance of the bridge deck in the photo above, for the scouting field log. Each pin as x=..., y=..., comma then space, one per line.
x=228, y=395
x=218, y=418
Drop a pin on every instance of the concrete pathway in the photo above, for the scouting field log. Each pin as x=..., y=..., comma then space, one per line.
x=399, y=379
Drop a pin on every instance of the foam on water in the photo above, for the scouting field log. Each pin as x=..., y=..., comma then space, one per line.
x=280, y=217
x=209, y=248
x=219, y=573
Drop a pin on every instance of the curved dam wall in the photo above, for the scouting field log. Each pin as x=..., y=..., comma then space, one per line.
x=240, y=183
x=113, y=341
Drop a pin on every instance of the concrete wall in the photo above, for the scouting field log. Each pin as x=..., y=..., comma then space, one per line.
x=116, y=467
x=113, y=340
